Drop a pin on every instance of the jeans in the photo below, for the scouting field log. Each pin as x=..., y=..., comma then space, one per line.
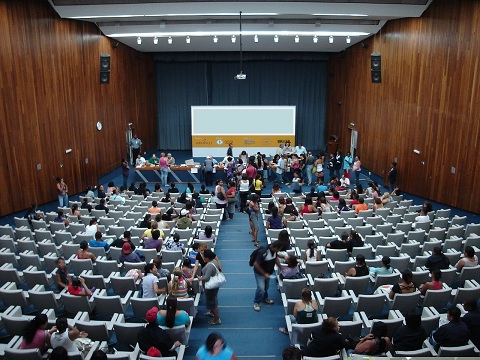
x=309, y=173
x=357, y=177
x=63, y=200
x=164, y=176
x=279, y=177
x=262, y=288
x=243, y=200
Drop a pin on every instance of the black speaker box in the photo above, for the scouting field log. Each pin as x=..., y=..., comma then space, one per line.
x=104, y=69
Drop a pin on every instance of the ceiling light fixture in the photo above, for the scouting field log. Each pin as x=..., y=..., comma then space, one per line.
x=155, y=40
x=241, y=75
x=315, y=39
x=139, y=40
x=348, y=40
x=297, y=39
x=170, y=41
x=215, y=39
x=234, y=39
x=255, y=38
x=187, y=39
x=275, y=38
x=330, y=39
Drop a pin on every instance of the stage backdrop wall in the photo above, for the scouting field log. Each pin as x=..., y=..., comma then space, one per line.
x=245, y=127
x=184, y=83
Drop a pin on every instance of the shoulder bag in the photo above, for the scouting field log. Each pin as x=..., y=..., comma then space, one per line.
x=215, y=281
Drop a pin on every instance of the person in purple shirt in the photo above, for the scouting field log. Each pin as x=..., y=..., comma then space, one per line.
x=155, y=242
x=127, y=254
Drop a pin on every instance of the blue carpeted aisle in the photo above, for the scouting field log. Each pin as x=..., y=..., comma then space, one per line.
x=251, y=334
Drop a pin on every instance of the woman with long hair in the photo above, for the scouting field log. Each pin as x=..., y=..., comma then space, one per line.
x=253, y=210
x=406, y=286
x=374, y=343
x=304, y=311
x=35, y=336
x=311, y=254
x=171, y=316
x=179, y=285
x=360, y=268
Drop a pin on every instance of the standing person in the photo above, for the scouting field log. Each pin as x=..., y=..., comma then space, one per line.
x=135, y=145
x=243, y=189
x=62, y=190
x=319, y=165
x=125, y=172
x=210, y=269
x=221, y=198
x=163, y=168
x=253, y=210
x=215, y=348
x=263, y=268
x=208, y=165
x=392, y=176
x=347, y=164
x=309, y=163
x=150, y=283
x=231, y=198
x=338, y=163
x=357, y=168
x=230, y=150
x=331, y=166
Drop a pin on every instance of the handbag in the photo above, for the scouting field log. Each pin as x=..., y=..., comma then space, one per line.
x=220, y=196
x=232, y=200
x=215, y=281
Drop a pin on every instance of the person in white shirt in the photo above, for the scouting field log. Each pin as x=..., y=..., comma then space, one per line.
x=140, y=161
x=300, y=150
x=423, y=217
x=344, y=181
x=92, y=228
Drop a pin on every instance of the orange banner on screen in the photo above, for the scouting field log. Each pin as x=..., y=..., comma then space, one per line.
x=241, y=141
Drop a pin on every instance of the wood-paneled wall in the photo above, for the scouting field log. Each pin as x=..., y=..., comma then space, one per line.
x=428, y=100
x=51, y=100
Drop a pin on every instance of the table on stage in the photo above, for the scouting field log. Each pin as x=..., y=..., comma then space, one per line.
x=178, y=173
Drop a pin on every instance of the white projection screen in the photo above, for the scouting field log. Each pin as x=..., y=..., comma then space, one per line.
x=251, y=128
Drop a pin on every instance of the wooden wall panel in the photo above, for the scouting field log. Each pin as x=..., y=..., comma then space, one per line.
x=51, y=100
x=428, y=100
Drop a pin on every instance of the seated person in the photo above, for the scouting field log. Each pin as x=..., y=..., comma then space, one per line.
x=423, y=217
x=454, y=333
x=62, y=276
x=275, y=220
x=161, y=271
x=192, y=254
x=33, y=214
x=437, y=260
x=469, y=259
x=102, y=206
x=207, y=234
x=305, y=310
x=98, y=241
x=128, y=255
x=360, y=268
x=155, y=242
x=86, y=205
x=92, y=228
x=35, y=335
x=61, y=218
x=79, y=288
x=406, y=286
x=311, y=254
x=472, y=320
x=361, y=205
x=325, y=340
x=127, y=238
x=185, y=221
x=291, y=271
x=83, y=252
x=355, y=240
x=187, y=271
x=435, y=284
x=374, y=343
x=409, y=337
x=148, y=233
x=154, y=209
x=171, y=316
x=385, y=269
x=140, y=161
x=175, y=244
x=179, y=284
x=153, y=336
x=339, y=244
x=116, y=196
x=150, y=282
x=153, y=160
x=74, y=211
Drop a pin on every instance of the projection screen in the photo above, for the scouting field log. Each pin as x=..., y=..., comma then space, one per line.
x=251, y=128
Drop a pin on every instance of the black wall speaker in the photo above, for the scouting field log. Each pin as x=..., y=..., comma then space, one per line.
x=104, y=69
x=376, y=67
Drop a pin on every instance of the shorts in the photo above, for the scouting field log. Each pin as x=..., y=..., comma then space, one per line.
x=211, y=298
x=254, y=220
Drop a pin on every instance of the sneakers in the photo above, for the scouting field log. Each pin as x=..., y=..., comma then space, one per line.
x=268, y=301
x=256, y=307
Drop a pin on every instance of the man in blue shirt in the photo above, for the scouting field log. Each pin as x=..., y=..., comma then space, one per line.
x=135, y=144
x=98, y=241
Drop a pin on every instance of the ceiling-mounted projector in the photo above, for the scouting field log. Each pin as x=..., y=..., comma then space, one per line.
x=240, y=76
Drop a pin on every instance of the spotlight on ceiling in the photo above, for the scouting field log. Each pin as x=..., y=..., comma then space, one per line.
x=187, y=39
x=348, y=40
x=170, y=40
x=275, y=38
x=297, y=39
x=255, y=38
x=139, y=40
x=215, y=39
x=315, y=39
x=234, y=39
x=330, y=39
x=155, y=40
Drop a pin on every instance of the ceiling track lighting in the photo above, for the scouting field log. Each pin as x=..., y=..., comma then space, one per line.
x=297, y=39
x=187, y=39
x=155, y=40
x=170, y=41
x=255, y=38
x=315, y=39
x=234, y=39
x=330, y=39
x=215, y=39
x=275, y=38
x=139, y=40
x=348, y=40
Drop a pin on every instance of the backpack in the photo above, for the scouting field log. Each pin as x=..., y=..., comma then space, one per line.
x=253, y=255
